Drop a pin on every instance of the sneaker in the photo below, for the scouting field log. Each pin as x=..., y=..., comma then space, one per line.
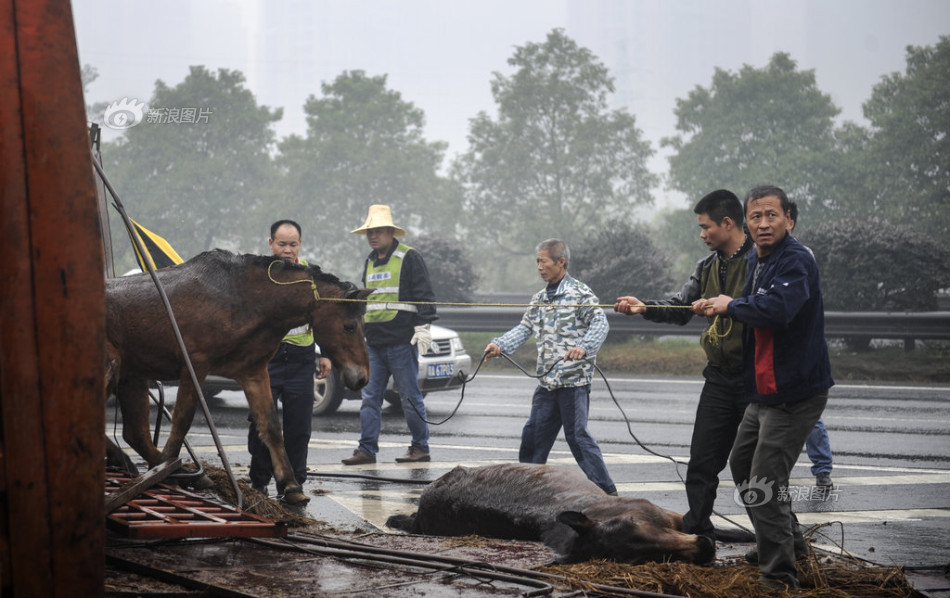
x=414, y=455
x=823, y=480
x=359, y=458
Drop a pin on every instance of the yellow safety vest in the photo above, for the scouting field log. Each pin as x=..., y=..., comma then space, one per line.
x=302, y=336
x=383, y=304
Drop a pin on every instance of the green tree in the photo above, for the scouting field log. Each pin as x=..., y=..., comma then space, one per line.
x=621, y=259
x=556, y=162
x=758, y=125
x=908, y=153
x=451, y=270
x=364, y=146
x=871, y=265
x=196, y=180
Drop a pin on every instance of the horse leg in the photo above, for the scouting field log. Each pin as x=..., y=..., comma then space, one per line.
x=132, y=396
x=264, y=413
x=116, y=457
x=182, y=415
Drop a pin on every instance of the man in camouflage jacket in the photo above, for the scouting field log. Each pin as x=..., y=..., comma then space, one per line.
x=569, y=327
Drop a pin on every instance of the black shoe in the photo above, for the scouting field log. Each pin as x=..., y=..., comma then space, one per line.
x=823, y=480
x=359, y=458
x=261, y=489
x=414, y=455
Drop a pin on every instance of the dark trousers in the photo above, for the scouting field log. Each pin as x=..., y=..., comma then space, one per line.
x=720, y=409
x=552, y=409
x=291, y=382
x=768, y=444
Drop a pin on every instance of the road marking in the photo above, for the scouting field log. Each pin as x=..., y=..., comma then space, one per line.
x=829, y=517
x=700, y=381
x=201, y=442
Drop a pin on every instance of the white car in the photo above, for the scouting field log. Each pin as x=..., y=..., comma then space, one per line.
x=443, y=367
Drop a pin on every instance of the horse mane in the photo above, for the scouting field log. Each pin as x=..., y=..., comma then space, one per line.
x=314, y=271
x=221, y=267
x=217, y=262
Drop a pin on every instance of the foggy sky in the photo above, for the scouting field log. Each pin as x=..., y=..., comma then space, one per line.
x=440, y=54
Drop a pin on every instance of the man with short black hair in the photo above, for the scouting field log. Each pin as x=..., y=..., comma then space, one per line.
x=291, y=372
x=787, y=374
x=722, y=400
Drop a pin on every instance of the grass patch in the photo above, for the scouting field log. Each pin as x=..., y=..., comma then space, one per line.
x=928, y=363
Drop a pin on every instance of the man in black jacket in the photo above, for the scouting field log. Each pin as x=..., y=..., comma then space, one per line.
x=397, y=328
x=722, y=400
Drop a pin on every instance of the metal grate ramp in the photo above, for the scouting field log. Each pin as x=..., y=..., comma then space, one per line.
x=165, y=511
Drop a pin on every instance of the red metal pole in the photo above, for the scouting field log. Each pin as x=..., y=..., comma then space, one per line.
x=52, y=314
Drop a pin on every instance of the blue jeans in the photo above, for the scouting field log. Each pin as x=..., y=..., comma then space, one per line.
x=550, y=409
x=402, y=363
x=819, y=449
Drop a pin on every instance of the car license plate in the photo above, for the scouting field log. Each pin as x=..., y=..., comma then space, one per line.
x=440, y=370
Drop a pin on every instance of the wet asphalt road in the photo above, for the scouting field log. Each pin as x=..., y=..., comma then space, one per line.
x=891, y=443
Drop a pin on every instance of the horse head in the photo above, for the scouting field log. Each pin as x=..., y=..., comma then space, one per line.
x=337, y=323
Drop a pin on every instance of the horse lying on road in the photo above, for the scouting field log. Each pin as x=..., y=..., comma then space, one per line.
x=232, y=311
x=559, y=506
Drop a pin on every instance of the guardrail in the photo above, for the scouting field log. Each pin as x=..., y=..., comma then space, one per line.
x=931, y=325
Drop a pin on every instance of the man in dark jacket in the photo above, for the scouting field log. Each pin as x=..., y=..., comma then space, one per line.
x=397, y=328
x=787, y=375
x=291, y=373
x=722, y=400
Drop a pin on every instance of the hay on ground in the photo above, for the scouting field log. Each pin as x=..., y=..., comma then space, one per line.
x=254, y=501
x=838, y=579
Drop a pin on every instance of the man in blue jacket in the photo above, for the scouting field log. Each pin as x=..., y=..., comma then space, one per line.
x=786, y=372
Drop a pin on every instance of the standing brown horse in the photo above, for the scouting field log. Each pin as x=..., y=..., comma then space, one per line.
x=232, y=311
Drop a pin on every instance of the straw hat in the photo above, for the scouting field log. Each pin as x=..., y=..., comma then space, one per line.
x=378, y=217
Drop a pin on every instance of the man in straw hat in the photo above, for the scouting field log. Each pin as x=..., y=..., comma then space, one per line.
x=398, y=317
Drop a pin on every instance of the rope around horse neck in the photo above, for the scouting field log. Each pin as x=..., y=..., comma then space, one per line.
x=313, y=285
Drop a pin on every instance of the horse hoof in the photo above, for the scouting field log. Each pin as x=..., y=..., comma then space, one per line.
x=201, y=483
x=295, y=497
